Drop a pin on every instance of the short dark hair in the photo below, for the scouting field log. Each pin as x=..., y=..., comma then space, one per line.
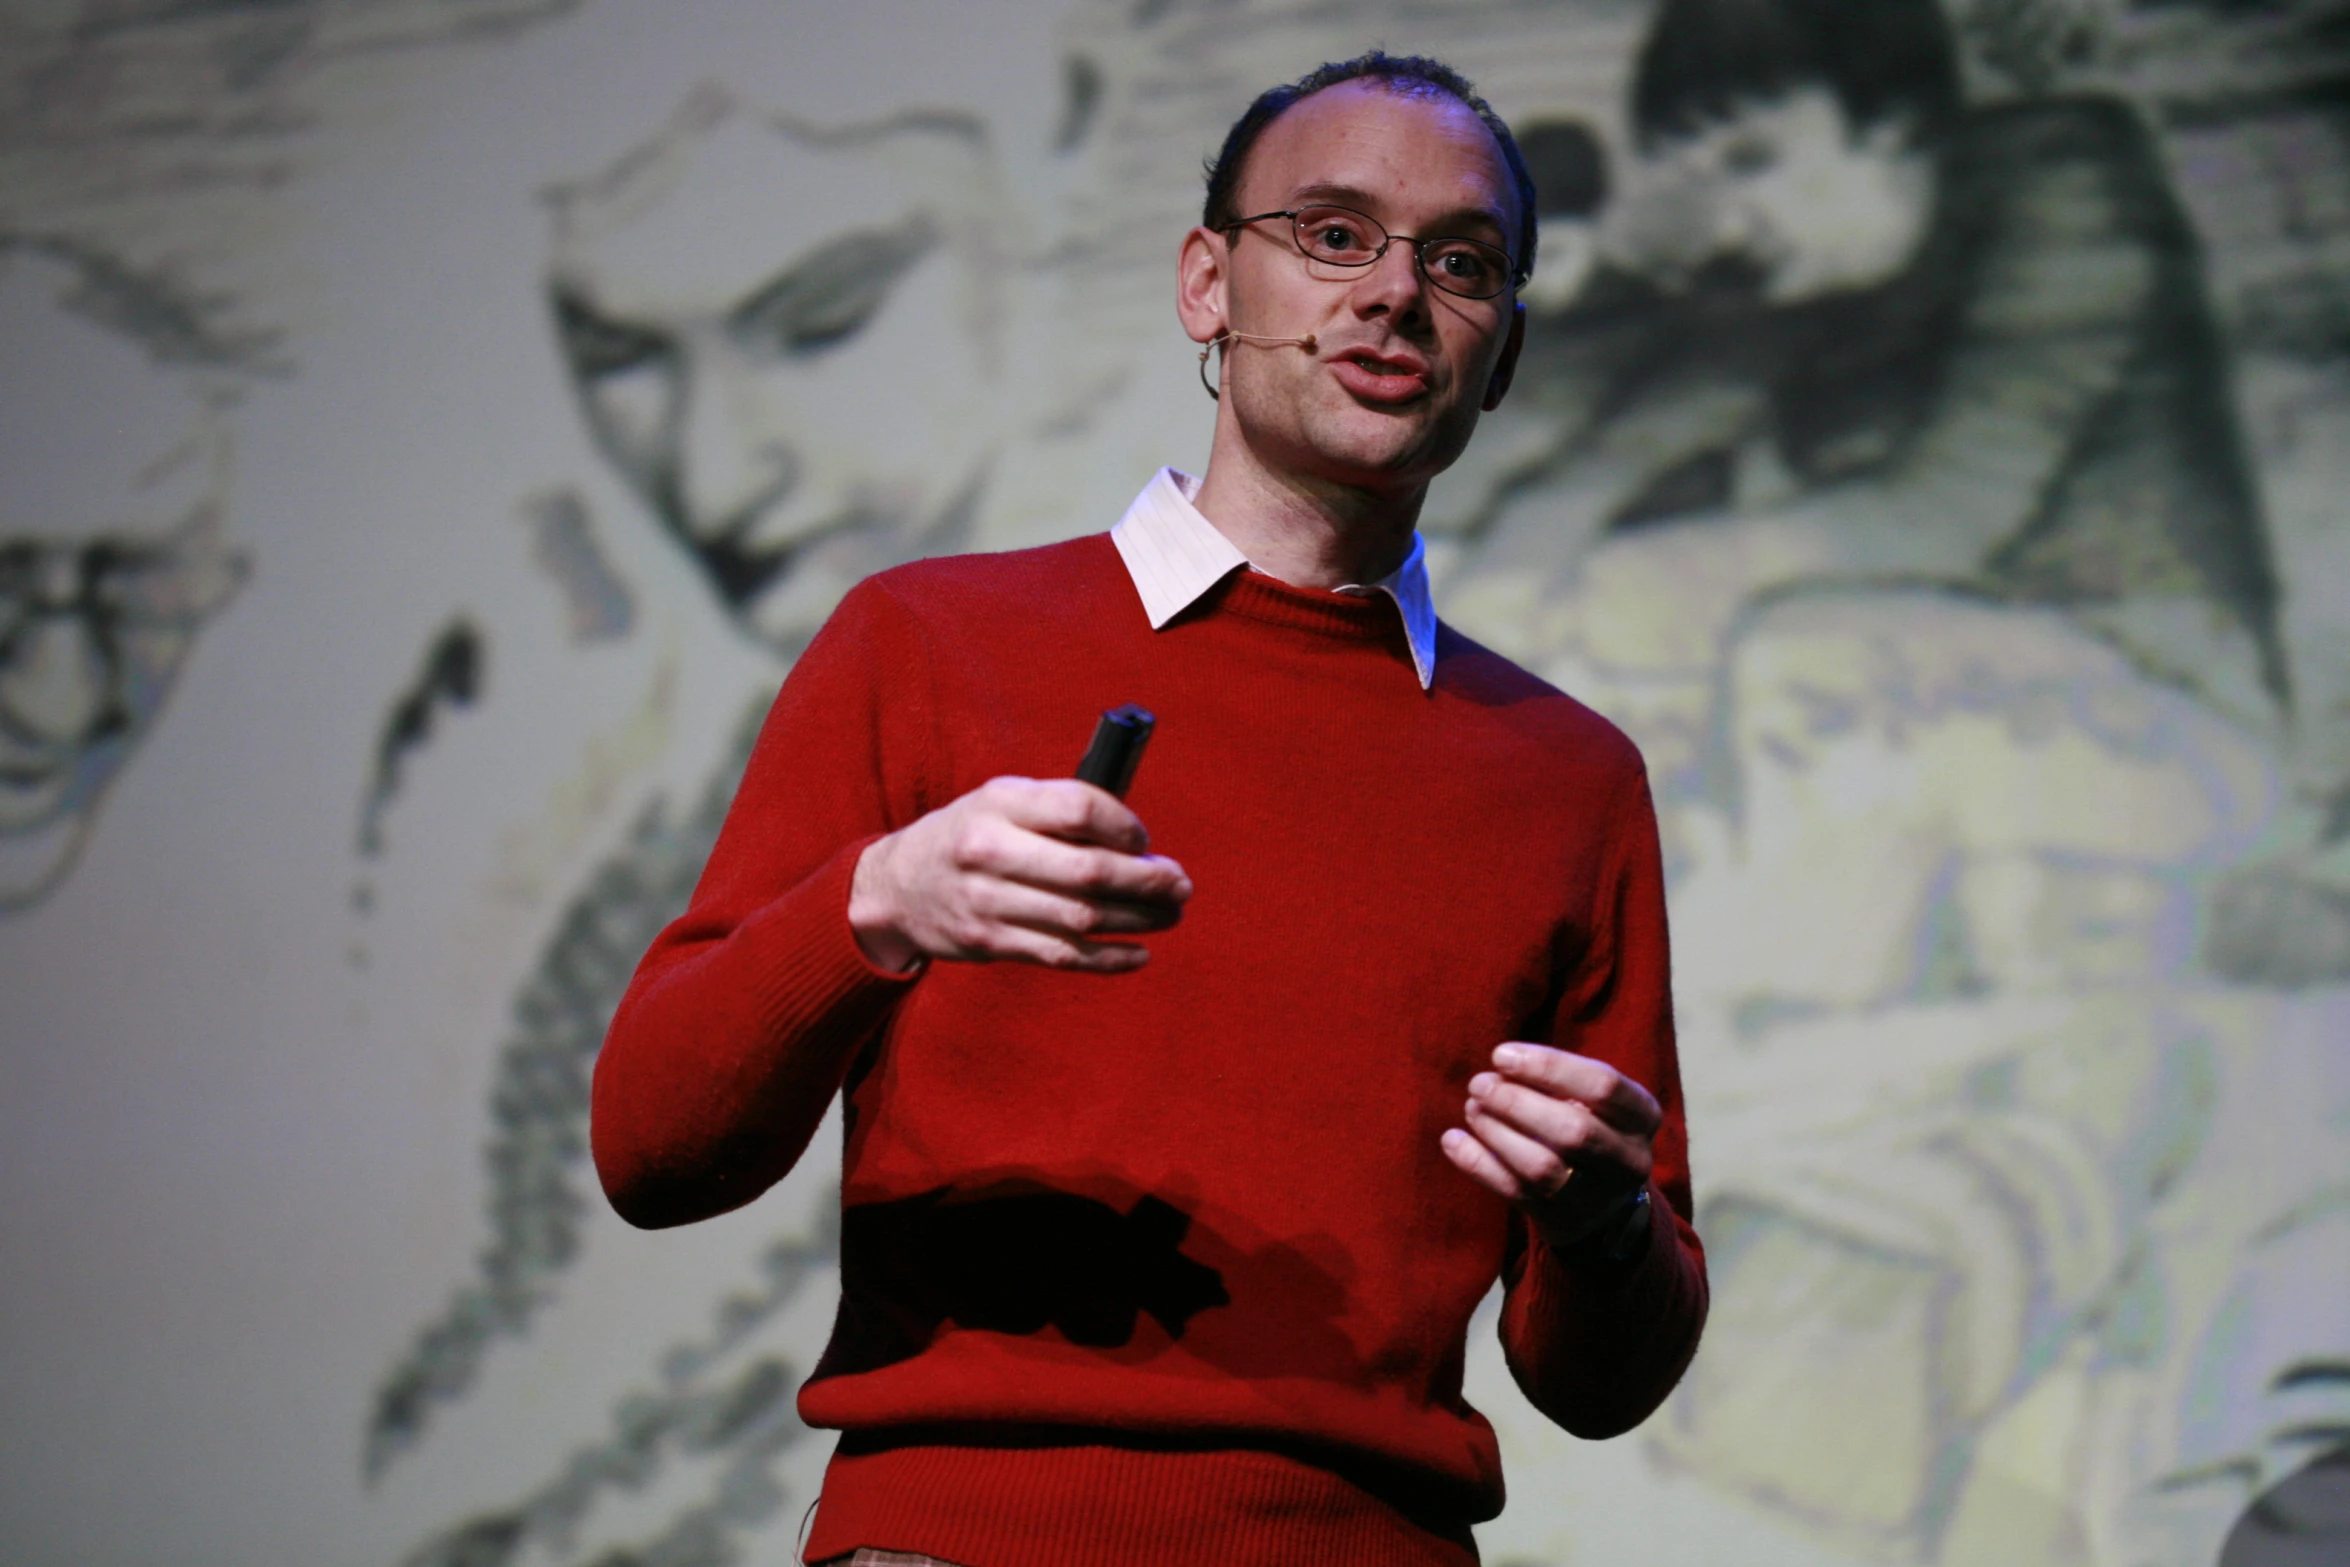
x=1410, y=74
x=1703, y=60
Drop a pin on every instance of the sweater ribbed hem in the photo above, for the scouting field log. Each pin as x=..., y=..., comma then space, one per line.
x=1101, y=1506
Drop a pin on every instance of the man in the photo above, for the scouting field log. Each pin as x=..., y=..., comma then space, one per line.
x=1159, y=1243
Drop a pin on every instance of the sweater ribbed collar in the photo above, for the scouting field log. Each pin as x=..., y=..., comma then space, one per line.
x=1175, y=555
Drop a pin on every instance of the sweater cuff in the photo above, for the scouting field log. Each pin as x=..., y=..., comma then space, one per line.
x=813, y=966
x=1590, y=1273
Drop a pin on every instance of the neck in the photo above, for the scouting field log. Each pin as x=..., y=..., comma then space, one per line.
x=1308, y=532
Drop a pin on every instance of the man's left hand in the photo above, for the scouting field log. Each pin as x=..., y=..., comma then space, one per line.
x=1563, y=1136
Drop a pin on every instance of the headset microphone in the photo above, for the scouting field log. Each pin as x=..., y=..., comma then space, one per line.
x=1227, y=334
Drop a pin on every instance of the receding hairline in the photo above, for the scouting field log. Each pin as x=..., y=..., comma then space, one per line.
x=1409, y=76
x=1322, y=188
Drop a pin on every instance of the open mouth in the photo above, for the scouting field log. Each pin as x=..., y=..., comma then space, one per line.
x=1384, y=378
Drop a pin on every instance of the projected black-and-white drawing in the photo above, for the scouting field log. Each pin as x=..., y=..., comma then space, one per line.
x=732, y=299
x=1887, y=335
x=110, y=562
x=736, y=299
x=449, y=677
x=1929, y=445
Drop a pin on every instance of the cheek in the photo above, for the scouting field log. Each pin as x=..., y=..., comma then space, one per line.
x=634, y=413
x=899, y=410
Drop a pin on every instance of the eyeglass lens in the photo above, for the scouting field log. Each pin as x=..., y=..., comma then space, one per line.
x=1347, y=238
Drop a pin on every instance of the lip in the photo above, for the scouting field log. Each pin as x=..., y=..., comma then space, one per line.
x=1390, y=375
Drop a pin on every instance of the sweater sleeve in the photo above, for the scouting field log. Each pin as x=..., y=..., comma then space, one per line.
x=745, y=1015
x=1595, y=1347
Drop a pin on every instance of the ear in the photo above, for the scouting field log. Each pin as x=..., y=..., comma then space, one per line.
x=1202, y=271
x=1498, y=385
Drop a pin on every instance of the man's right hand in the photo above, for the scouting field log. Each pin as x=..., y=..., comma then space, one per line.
x=1043, y=871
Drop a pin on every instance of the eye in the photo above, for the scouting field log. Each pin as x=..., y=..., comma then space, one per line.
x=829, y=298
x=1467, y=266
x=1334, y=234
x=598, y=347
x=1749, y=155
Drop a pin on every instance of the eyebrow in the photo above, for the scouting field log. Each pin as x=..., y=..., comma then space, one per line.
x=1451, y=223
x=865, y=262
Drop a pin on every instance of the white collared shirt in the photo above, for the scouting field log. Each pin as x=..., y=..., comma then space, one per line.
x=1174, y=555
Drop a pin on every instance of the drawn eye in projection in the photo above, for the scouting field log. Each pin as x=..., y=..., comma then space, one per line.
x=827, y=299
x=111, y=558
x=782, y=337
x=600, y=350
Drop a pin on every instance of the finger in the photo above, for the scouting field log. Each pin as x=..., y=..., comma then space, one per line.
x=1618, y=1100
x=1540, y=1171
x=1477, y=1161
x=1568, y=1125
x=1079, y=871
x=1074, y=918
x=1020, y=944
x=1079, y=812
x=1569, y=1129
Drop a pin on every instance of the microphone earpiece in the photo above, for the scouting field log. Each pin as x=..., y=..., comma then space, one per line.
x=1226, y=334
x=1306, y=342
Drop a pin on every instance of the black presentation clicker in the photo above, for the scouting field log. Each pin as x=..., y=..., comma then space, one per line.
x=1117, y=749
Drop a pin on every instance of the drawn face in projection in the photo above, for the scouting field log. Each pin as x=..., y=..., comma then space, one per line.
x=780, y=338
x=1789, y=191
x=110, y=558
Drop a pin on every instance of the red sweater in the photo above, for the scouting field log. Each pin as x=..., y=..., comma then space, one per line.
x=1170, y=1266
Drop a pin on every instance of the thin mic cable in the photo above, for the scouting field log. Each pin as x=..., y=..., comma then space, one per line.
x=1226, y=334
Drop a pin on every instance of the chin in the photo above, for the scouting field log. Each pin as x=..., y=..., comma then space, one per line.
x=1388, y=450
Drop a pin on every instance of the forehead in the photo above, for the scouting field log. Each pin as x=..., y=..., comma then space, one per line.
x=1410, y=151
x=696, y=221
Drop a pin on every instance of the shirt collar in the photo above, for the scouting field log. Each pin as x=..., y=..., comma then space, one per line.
x=1174, y=554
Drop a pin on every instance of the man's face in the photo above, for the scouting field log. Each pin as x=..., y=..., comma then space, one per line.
x=781, y=345
x=1389, y=394
x=110, y=558
x=1788, y=190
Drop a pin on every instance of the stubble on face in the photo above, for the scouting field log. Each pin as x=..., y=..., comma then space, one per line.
x=1422, y=165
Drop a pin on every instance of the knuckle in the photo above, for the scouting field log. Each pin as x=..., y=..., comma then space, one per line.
x=966, y=843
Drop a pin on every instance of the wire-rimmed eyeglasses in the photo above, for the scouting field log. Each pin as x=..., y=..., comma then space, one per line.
x=1343, y=237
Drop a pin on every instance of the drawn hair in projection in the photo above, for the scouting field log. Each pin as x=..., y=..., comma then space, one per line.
x=113, y=486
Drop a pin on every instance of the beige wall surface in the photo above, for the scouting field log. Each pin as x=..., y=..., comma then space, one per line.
x=430, y=428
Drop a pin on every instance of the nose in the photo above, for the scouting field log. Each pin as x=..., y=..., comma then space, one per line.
x=1739, y=232
x=730, y=463
x=56, y=680
x=1393, y=286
